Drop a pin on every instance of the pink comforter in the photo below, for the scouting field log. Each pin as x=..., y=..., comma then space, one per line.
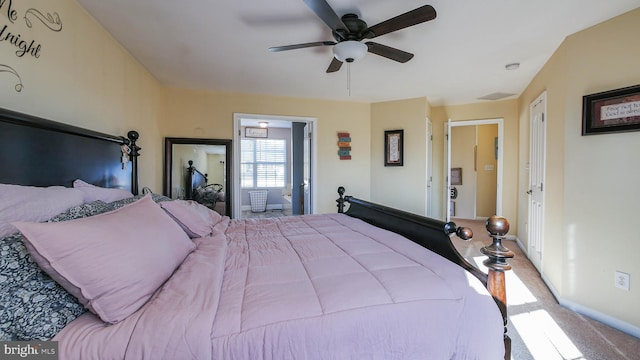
x=306, y=287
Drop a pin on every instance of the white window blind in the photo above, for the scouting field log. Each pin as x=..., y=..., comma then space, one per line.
x=263, y=163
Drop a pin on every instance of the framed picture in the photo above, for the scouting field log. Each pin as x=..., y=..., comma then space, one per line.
x=393, y=147
x=256, y=132
x=456, y=176
x=611, y=111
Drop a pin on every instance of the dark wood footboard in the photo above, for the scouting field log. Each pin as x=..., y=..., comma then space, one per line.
x=435, y=235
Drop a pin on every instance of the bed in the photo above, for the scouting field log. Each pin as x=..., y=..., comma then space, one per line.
x=197, y=188
x=155, y=278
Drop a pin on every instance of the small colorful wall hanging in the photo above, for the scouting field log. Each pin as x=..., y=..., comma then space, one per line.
x=344, y=146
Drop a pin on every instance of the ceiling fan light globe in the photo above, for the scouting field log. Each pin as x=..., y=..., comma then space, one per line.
x=349, y=51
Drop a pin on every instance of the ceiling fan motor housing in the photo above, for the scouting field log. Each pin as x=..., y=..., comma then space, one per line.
x=356, y=28
x=349, y=48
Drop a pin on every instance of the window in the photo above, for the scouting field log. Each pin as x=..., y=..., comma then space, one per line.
x=262, y=163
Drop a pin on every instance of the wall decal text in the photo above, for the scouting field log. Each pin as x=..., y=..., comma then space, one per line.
x=24, y=46
x=10, y=35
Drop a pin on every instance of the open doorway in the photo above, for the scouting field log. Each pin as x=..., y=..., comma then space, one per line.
x=274, y=165
x=473, y=156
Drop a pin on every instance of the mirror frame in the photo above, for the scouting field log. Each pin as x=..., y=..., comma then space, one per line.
x=168, y=161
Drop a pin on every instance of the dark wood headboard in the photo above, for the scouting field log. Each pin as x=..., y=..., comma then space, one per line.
x=40, y=152
x=194, y=179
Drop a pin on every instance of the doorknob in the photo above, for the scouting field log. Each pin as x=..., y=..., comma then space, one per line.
x=530, y=192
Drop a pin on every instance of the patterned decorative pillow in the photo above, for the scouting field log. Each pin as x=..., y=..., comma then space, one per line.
x=120, y=203
x=32, y=305
x=82, y=211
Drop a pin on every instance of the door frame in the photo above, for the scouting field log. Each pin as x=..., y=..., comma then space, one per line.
x=237, y=123
x=532, y=250
x=447, y=160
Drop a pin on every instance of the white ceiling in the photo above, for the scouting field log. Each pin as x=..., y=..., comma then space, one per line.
x=459, y=57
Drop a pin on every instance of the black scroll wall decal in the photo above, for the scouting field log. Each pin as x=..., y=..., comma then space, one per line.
x=11, y=36
x=51, y=21
x=9, y=69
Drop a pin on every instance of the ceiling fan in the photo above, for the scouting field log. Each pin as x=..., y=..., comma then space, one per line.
x=349, y=30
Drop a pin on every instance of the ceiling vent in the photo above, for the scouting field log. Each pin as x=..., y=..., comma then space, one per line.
x=495, y=96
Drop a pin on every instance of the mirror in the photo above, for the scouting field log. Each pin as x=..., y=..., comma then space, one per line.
x=207, y=179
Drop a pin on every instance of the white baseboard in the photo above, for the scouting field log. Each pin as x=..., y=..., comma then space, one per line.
x=511, y=237
x=611, y=321
x=520, y=245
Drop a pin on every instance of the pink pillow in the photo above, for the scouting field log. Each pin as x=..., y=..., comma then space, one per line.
x=116, y=260
x=93, y=193
x=195, y=219
x=31, y=203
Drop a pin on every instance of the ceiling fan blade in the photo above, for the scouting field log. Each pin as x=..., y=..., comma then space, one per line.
x=301, y=46
x=334, y=66
x=326, y=13
x=413, y=17
x=389, y=52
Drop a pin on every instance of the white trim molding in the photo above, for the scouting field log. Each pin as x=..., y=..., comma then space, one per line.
x=615, y=323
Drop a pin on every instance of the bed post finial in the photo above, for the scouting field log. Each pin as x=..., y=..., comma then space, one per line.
x=133, y=136
x=498, y=227
x=463, y=233
x=341, y=200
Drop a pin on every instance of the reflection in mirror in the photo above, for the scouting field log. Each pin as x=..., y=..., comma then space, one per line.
x=199, y=169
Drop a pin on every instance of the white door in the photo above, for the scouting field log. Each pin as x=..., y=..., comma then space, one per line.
x=447, y=172
x=429, y=192
x=535, y=228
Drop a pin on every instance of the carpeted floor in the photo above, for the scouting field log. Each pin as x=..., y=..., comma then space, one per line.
x=539, y=327
x=247, y=214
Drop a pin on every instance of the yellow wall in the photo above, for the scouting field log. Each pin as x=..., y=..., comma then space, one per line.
x=82, y=77
x=487, y=166
x=216, y=168
x=403, y=187
x=592, y=191
x=208, y=114
x=463, y=142
x=181, y=154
